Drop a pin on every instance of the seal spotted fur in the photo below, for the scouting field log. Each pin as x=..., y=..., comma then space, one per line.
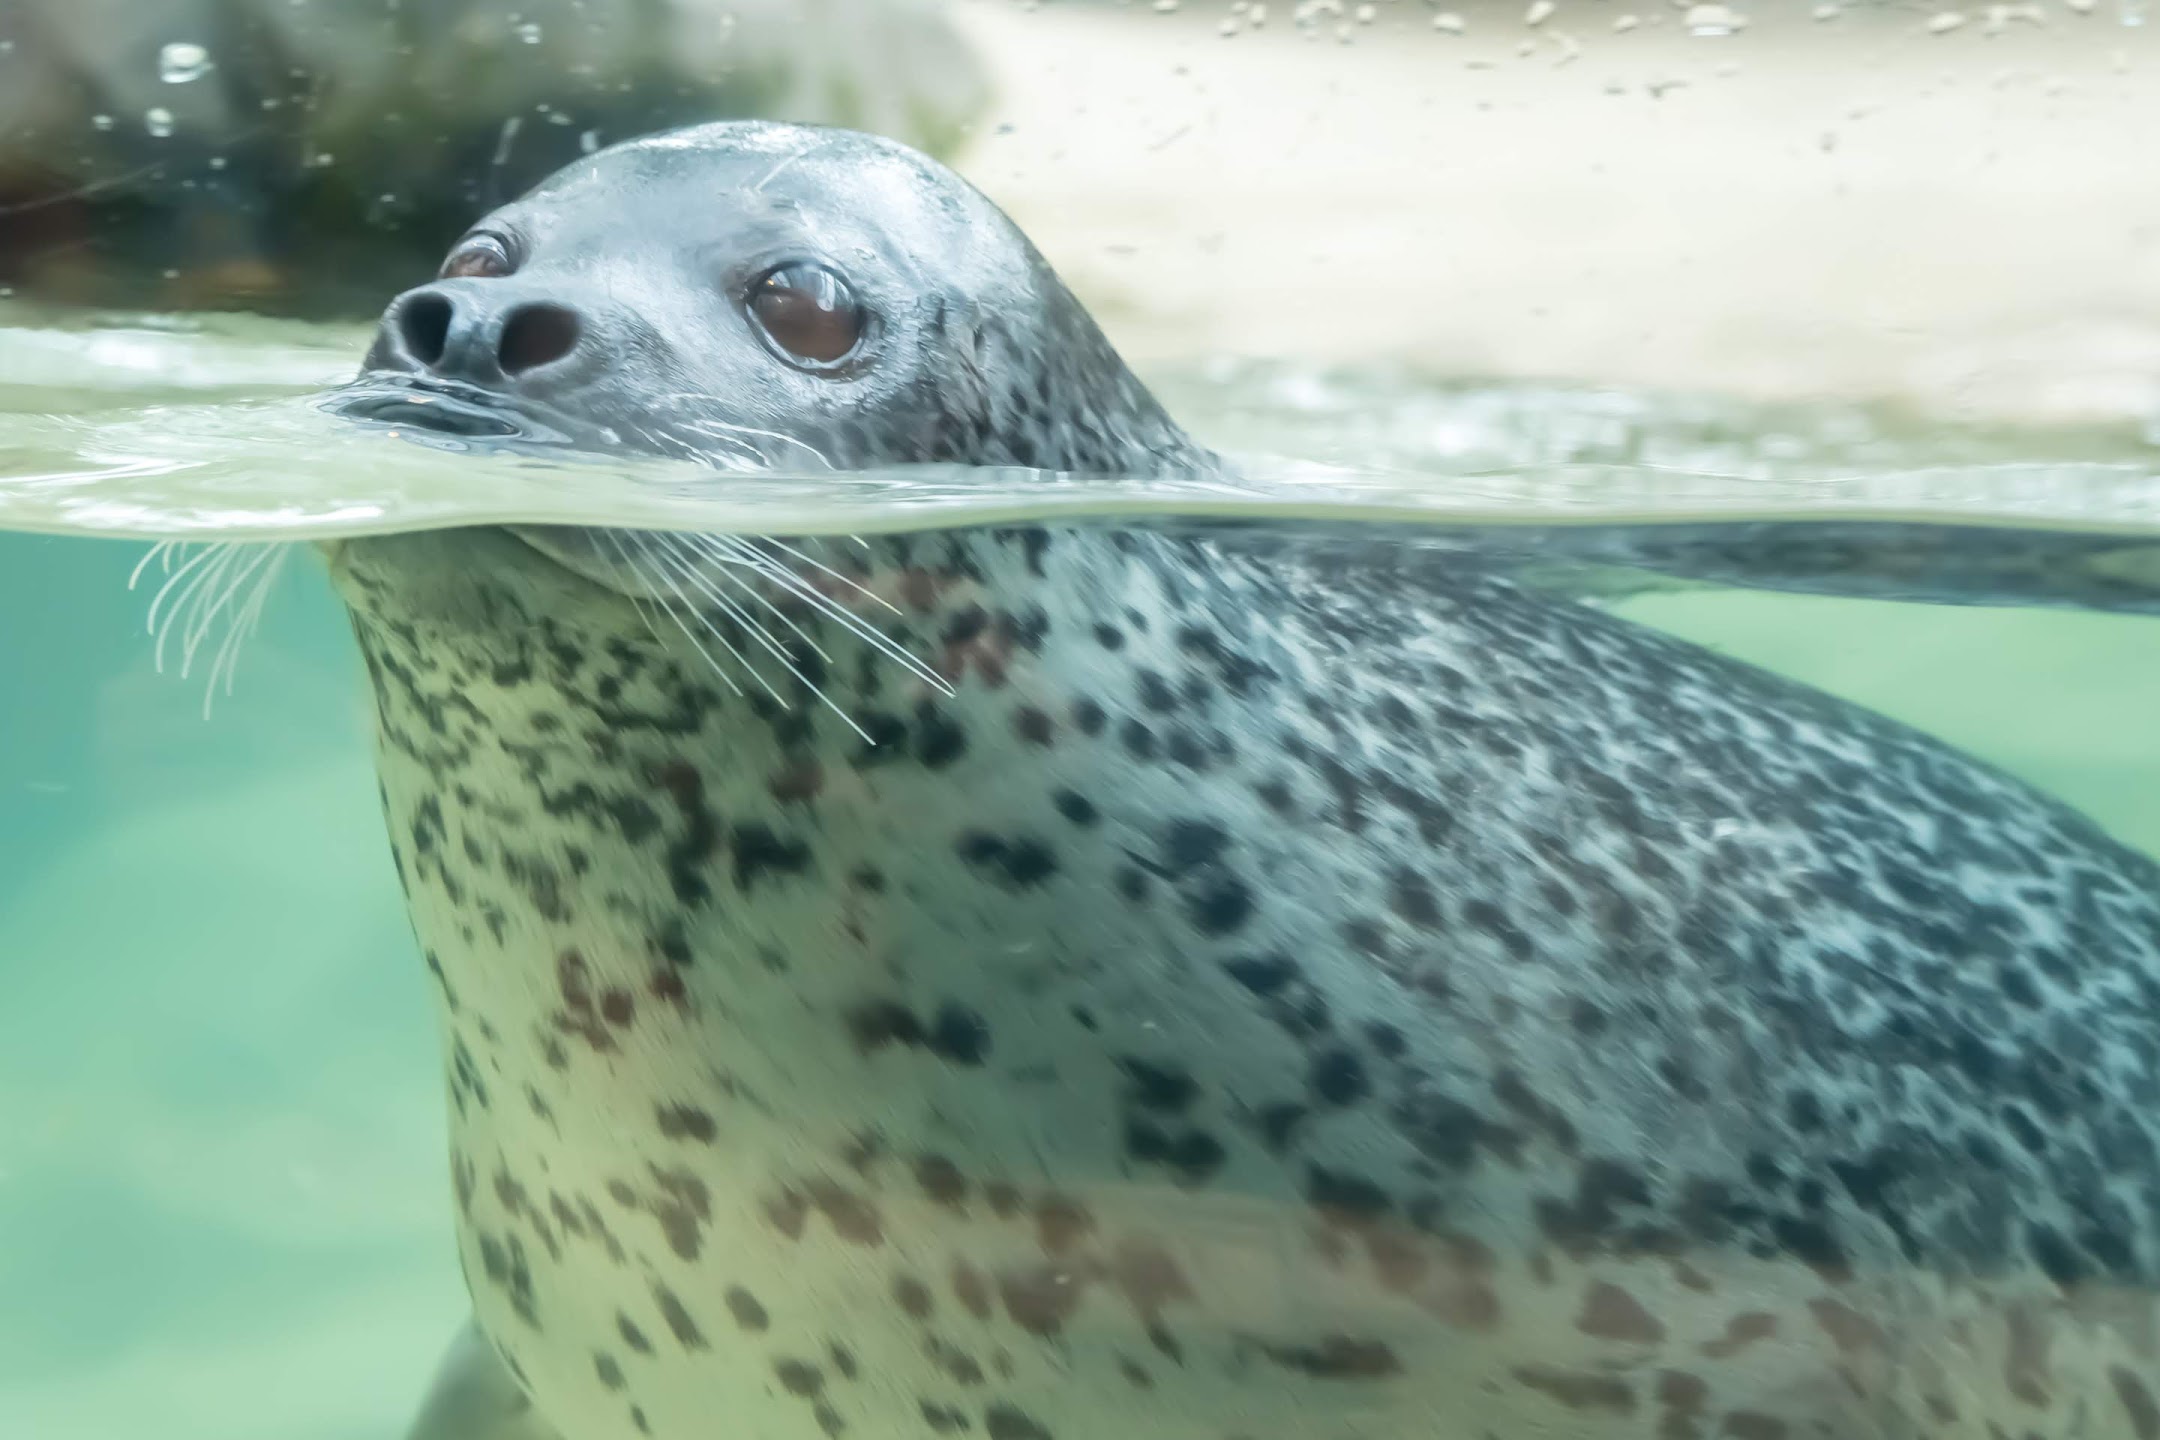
x=1253, y=988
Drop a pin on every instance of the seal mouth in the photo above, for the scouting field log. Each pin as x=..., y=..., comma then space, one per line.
x=440, y=407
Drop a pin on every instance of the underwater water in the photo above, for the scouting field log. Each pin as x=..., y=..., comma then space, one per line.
x=224, y=1198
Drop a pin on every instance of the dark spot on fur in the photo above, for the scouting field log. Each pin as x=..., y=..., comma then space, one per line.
x=1159, y=1087
x=913, y=1297
x=799, y=1378
x=1003, y=1422
x=942, y=1181
x=1016, y=863
x=687, y=1122
x=1338, y=1077
x=748, y=1313
x=679, y=1321
x=1337, y=1357
x=1075, y=807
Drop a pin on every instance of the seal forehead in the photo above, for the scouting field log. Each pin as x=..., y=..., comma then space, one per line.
x=751, y=137
x=850, y=195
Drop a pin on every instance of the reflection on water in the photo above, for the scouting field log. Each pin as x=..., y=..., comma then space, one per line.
x=223, y=1100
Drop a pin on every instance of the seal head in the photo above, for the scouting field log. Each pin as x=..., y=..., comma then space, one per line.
x=764, y=296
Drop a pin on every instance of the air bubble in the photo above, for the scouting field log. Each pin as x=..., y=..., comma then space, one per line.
x=1448, y=22
x=1539, y=12
x=589, y=141
x=529, y=32
x=158, y=121
x=182, y=61
x=101, y=122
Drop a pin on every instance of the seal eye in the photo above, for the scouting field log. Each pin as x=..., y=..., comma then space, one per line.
x=808, y=313
x=480, y=257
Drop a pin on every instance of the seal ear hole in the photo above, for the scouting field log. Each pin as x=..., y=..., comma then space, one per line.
x=808, y=314
x=423, y=323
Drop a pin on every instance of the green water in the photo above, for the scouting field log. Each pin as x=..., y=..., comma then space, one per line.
x=224, y=1207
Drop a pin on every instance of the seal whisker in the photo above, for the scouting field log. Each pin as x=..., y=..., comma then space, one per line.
x=162, y=551
x=765, y=637
x=855, y=625
x=730, y=430
x=240, y=566
x=704, y=621
x=685, y=571
x=224, y=581
x=264, y=574
x=625, y=587
x=847, y=580
x=175, y=585
x=668, y=610
x=188, y=586
x=728, y=559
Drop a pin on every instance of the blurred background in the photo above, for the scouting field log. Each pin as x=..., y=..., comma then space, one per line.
x=1929, y=199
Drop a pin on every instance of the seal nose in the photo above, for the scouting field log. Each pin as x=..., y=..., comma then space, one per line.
x=461, y=336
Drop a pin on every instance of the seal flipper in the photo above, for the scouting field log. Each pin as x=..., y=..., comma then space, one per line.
x=474, y=1397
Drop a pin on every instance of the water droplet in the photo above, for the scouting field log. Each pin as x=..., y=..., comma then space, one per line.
x=101, y=122
x=158, y=121
x=529, y=32
x=1448, y=22
x=1539, y=12
x=589, y=141
x=1945, y=22
x=182, y=61
x=1623, y=23
x=1710, y=22
x=172, y=274
x=217, y=162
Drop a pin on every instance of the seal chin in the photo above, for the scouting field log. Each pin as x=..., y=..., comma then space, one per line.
x=433, y=406
x=586, y=554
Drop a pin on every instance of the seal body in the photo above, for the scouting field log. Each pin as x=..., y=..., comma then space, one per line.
x=1271, y=996
x=1238, y=986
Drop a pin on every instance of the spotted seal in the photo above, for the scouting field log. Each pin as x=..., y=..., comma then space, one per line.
x=1066, y=983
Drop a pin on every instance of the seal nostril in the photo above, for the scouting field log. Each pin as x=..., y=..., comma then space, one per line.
x=423, y=323
x=537, y=335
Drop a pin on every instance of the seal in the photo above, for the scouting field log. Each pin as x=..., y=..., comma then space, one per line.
x=1067, y=982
